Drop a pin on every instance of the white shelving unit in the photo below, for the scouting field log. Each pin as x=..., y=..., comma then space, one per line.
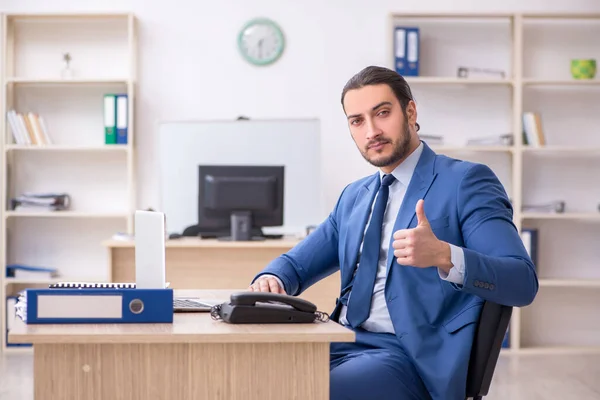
x=99, y=177
x=535, y=51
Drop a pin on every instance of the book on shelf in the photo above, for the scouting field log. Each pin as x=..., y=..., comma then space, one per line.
x=554, y=207
x=506, y=339
x=533, y=134
x=529, y=236
x=40, y=202
x=432, y=139
x=23, y=271
x=28, y=128
x=482, y=73
x=493, y=140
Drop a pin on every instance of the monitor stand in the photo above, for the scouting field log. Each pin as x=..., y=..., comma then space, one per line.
x=241, y=228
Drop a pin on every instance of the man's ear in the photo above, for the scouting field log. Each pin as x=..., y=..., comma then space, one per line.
x=411, y=112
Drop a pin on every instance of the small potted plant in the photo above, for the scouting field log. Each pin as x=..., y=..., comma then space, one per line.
x=67, y=72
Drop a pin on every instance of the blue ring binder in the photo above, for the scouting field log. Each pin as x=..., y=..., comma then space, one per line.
x=98, y=305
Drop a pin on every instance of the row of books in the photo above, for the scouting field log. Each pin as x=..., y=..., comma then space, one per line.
x=28, y=128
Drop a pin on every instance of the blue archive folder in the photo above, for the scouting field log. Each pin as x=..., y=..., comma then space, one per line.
x=99, y=305
x=406, y=50
x=412, y=52
x=400, y=50
x=122, y=119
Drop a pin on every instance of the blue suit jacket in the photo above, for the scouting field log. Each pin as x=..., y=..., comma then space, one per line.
x=435, y=320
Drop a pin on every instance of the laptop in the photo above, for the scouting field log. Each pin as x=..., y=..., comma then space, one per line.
x=150, y=264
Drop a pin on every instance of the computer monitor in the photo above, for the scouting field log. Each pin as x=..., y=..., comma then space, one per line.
x=236, y=201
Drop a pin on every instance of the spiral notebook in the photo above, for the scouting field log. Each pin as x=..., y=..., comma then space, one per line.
x=91, y=285
x=95, y=285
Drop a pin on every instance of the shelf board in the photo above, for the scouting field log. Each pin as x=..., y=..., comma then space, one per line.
x=538, y=350
x=73, y=81
x=589, y=283
x=18, y=349
x=565, y=216
x=103, y=147
x=450, y=15
x=494, y=149
x=560, y=82
x=62, y=214
x=563, y=16
x=17, y=281
x=58, y=16
x=560, y=149
x=450, y=80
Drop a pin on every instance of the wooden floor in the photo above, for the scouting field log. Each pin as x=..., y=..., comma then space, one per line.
x=517, y=377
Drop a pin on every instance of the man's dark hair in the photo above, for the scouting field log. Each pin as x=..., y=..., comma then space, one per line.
x=374, y=75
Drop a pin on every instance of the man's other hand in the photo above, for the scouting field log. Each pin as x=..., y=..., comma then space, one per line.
x=267, y=283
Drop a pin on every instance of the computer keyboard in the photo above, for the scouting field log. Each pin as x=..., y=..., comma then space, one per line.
x=186, y=304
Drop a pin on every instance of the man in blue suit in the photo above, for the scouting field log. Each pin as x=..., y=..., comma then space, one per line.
x=420, y=245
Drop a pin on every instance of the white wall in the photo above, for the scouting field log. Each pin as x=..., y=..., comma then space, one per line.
x=190, y=67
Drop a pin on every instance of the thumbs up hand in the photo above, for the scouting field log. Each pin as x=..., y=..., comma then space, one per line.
x=419, y=247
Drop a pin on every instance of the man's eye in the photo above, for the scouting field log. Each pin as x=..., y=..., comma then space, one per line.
x=383, y=112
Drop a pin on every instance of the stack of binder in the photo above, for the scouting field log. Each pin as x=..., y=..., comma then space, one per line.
x=84, y=303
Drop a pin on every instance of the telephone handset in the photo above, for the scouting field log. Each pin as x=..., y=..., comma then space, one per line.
x=266, y=308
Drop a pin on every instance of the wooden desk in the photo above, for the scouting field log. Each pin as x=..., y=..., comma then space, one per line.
x=196, y=357
x=194, y=263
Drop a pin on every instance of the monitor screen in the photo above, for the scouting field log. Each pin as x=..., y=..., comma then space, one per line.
x=255, y=191
x=252, y=193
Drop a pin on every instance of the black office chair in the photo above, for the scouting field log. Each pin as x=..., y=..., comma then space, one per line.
x=490, y=332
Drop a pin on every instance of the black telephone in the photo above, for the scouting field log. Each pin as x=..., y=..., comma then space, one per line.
x=266, y=308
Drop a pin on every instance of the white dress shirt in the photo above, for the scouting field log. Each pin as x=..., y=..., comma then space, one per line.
x=379, y=318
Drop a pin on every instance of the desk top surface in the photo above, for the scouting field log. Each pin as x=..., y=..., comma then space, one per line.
x=197, y=327
x=211, y=243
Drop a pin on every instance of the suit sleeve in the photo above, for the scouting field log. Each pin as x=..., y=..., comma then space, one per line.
x=497, y=266
x=311, y=260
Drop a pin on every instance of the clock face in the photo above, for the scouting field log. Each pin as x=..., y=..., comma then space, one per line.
x=261, y=41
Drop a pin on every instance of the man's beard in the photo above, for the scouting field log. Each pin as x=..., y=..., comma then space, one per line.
x=400, y=149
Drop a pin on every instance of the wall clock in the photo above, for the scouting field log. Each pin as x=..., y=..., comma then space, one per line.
x=261, y=41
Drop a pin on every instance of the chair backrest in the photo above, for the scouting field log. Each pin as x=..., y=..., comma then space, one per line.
x=490, y=332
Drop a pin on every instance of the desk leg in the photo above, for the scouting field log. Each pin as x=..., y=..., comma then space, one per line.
x=227, y=371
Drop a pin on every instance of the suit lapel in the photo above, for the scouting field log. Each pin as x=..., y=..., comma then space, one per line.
x=418, y=187
x=360, y=214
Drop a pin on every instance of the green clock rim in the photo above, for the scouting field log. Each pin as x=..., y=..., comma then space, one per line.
x=278, y=32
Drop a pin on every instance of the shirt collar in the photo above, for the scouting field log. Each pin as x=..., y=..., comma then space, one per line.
x=405, y=170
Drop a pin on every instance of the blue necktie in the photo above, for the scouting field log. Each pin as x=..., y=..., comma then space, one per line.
x=359, y=303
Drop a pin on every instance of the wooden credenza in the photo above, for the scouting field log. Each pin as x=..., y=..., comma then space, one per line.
x=194, y=263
